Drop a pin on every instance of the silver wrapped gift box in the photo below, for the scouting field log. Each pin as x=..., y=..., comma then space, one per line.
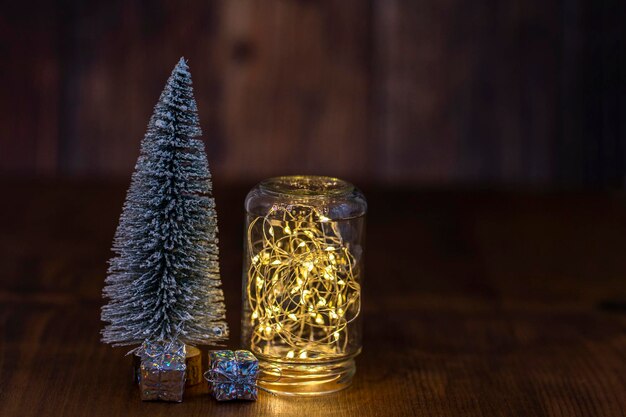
x=233, y=375
x=162, y=371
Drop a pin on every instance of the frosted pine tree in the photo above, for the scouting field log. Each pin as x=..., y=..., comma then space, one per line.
x=164, y=279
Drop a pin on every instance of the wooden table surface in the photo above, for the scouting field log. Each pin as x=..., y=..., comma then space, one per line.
x=476, y=303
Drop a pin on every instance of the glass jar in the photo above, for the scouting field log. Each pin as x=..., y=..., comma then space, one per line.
x=303, y=270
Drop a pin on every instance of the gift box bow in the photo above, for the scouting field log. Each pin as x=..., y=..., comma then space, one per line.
x=163, y=355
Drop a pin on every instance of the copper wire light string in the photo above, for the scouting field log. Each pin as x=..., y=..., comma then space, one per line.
x=302, y=288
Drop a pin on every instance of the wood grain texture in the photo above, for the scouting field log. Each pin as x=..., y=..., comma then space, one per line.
x=472, y=84
x=385, y=91
x=475, y=304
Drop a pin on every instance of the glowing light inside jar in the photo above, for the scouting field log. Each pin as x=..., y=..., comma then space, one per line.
x=302, y=285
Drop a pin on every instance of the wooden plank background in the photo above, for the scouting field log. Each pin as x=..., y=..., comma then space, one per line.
x=435, y=91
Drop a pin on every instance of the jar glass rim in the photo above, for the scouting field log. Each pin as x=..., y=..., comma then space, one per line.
x=306, y=185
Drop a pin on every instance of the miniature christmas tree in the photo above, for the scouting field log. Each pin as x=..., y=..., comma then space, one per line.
x=164, y=280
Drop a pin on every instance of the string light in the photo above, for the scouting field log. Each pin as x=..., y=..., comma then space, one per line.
x=302, y=285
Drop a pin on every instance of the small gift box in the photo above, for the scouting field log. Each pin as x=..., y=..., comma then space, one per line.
x=162, y=371
x=233, y=375
x=193, y=363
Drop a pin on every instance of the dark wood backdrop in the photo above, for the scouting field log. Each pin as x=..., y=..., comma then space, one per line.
x=516, y=91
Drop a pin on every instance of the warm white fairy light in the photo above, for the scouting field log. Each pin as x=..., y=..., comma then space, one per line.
x=302, y=285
